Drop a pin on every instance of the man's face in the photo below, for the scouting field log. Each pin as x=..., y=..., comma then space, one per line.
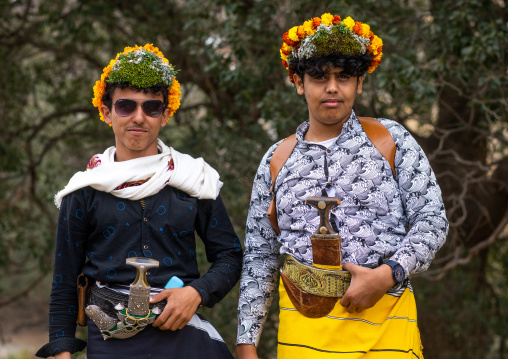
x=135, y=134
x=330, y=97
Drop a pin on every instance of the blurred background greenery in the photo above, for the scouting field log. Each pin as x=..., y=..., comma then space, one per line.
x=444, y=76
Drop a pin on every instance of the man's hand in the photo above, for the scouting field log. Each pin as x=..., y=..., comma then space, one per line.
x=181, y=305
x=246, y=351
x=63, y=355
x=367, y=286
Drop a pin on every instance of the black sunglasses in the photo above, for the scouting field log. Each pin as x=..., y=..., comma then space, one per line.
x=125, y=107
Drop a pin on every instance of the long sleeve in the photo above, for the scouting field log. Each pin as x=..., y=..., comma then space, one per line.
x=422, y=202
x=72, y=233
x=223, y=250
x=261, y=260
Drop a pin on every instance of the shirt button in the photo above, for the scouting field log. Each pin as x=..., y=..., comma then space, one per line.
x=145, y=246
x=328, y=150
x=145, y=219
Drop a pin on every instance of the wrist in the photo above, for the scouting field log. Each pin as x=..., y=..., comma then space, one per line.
x=63, y=355
x=398, y=273
x=246, y=351
x=387, y=275
x=197, y=299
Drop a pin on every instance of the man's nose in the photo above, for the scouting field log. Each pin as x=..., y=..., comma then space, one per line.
x=332, y=85
x=138, y=115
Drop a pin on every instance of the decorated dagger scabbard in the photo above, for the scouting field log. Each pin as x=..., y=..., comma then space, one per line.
x=137, y=315
x=325, y=241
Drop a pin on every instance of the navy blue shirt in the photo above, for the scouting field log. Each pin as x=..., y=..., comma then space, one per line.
x=98, y=231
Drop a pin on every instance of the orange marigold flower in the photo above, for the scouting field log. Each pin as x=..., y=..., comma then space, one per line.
x=287, y=40
x=357, y=29
x=316, y=21
x=174, y=97
x=285, y=49
x=285, y=63
x=291, y=73
x=336, y=20
x=378, y=57
x=301, y=32
x=309, y=27
x=365, y=30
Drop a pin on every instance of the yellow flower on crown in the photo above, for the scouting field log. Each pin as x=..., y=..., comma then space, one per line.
x=327, y=19
x=283, y=56
x=350, y=23
x=308, y=26
x=376, y=43
x=293, y=34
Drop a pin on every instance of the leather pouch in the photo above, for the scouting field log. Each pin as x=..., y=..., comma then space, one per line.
x=309, y=305
x=312, y=290
x=84, y=285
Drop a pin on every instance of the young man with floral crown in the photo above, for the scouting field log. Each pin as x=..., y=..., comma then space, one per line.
x=352, y=220
x=127, y=225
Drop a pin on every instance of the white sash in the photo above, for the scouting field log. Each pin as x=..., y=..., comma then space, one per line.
x=192, y=176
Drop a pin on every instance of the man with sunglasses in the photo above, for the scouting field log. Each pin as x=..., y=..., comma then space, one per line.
x=140, y=198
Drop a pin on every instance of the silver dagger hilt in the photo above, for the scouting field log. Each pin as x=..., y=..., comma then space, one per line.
x=139, y=294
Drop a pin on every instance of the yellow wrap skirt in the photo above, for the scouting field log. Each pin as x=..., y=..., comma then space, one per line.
x=388, y=330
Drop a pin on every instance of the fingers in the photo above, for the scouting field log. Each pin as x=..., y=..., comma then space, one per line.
x=347, y=266
x=351, y=305
x=348, y=304
x=171, y=319
x=161, y=296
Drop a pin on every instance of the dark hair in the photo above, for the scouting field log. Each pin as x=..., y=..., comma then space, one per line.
x=160, y=88
x=353, y=65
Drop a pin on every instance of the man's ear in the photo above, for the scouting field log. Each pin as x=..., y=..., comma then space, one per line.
x=359, y=87
x=106, y=113
x=299, y=84
x=165, y=117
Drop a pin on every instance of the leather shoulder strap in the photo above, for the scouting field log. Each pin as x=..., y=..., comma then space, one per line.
x=279, y=157
x=381, y=138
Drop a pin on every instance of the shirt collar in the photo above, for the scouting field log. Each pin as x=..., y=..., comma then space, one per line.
x=349, y=125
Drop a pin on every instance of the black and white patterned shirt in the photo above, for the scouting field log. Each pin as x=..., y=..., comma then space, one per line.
x=375, y=211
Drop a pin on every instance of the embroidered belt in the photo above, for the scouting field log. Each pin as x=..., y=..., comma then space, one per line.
x=317, y=281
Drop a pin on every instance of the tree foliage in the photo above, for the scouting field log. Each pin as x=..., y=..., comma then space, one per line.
x=444, y=76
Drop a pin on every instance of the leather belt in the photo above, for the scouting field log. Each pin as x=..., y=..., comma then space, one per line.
x=317, y=281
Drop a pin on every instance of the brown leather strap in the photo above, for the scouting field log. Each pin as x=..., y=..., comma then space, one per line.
x=381, y=138
x=279, y=157
x=84, y=284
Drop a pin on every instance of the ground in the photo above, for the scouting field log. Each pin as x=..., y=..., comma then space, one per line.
x=24, y=326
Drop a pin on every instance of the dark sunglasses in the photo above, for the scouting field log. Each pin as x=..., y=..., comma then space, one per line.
x=125, y=107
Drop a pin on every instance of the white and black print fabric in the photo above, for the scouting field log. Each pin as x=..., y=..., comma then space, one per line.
x=375, y=211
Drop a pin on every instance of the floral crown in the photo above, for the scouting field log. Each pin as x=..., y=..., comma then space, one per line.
x=327, y=35
x=140, y=67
